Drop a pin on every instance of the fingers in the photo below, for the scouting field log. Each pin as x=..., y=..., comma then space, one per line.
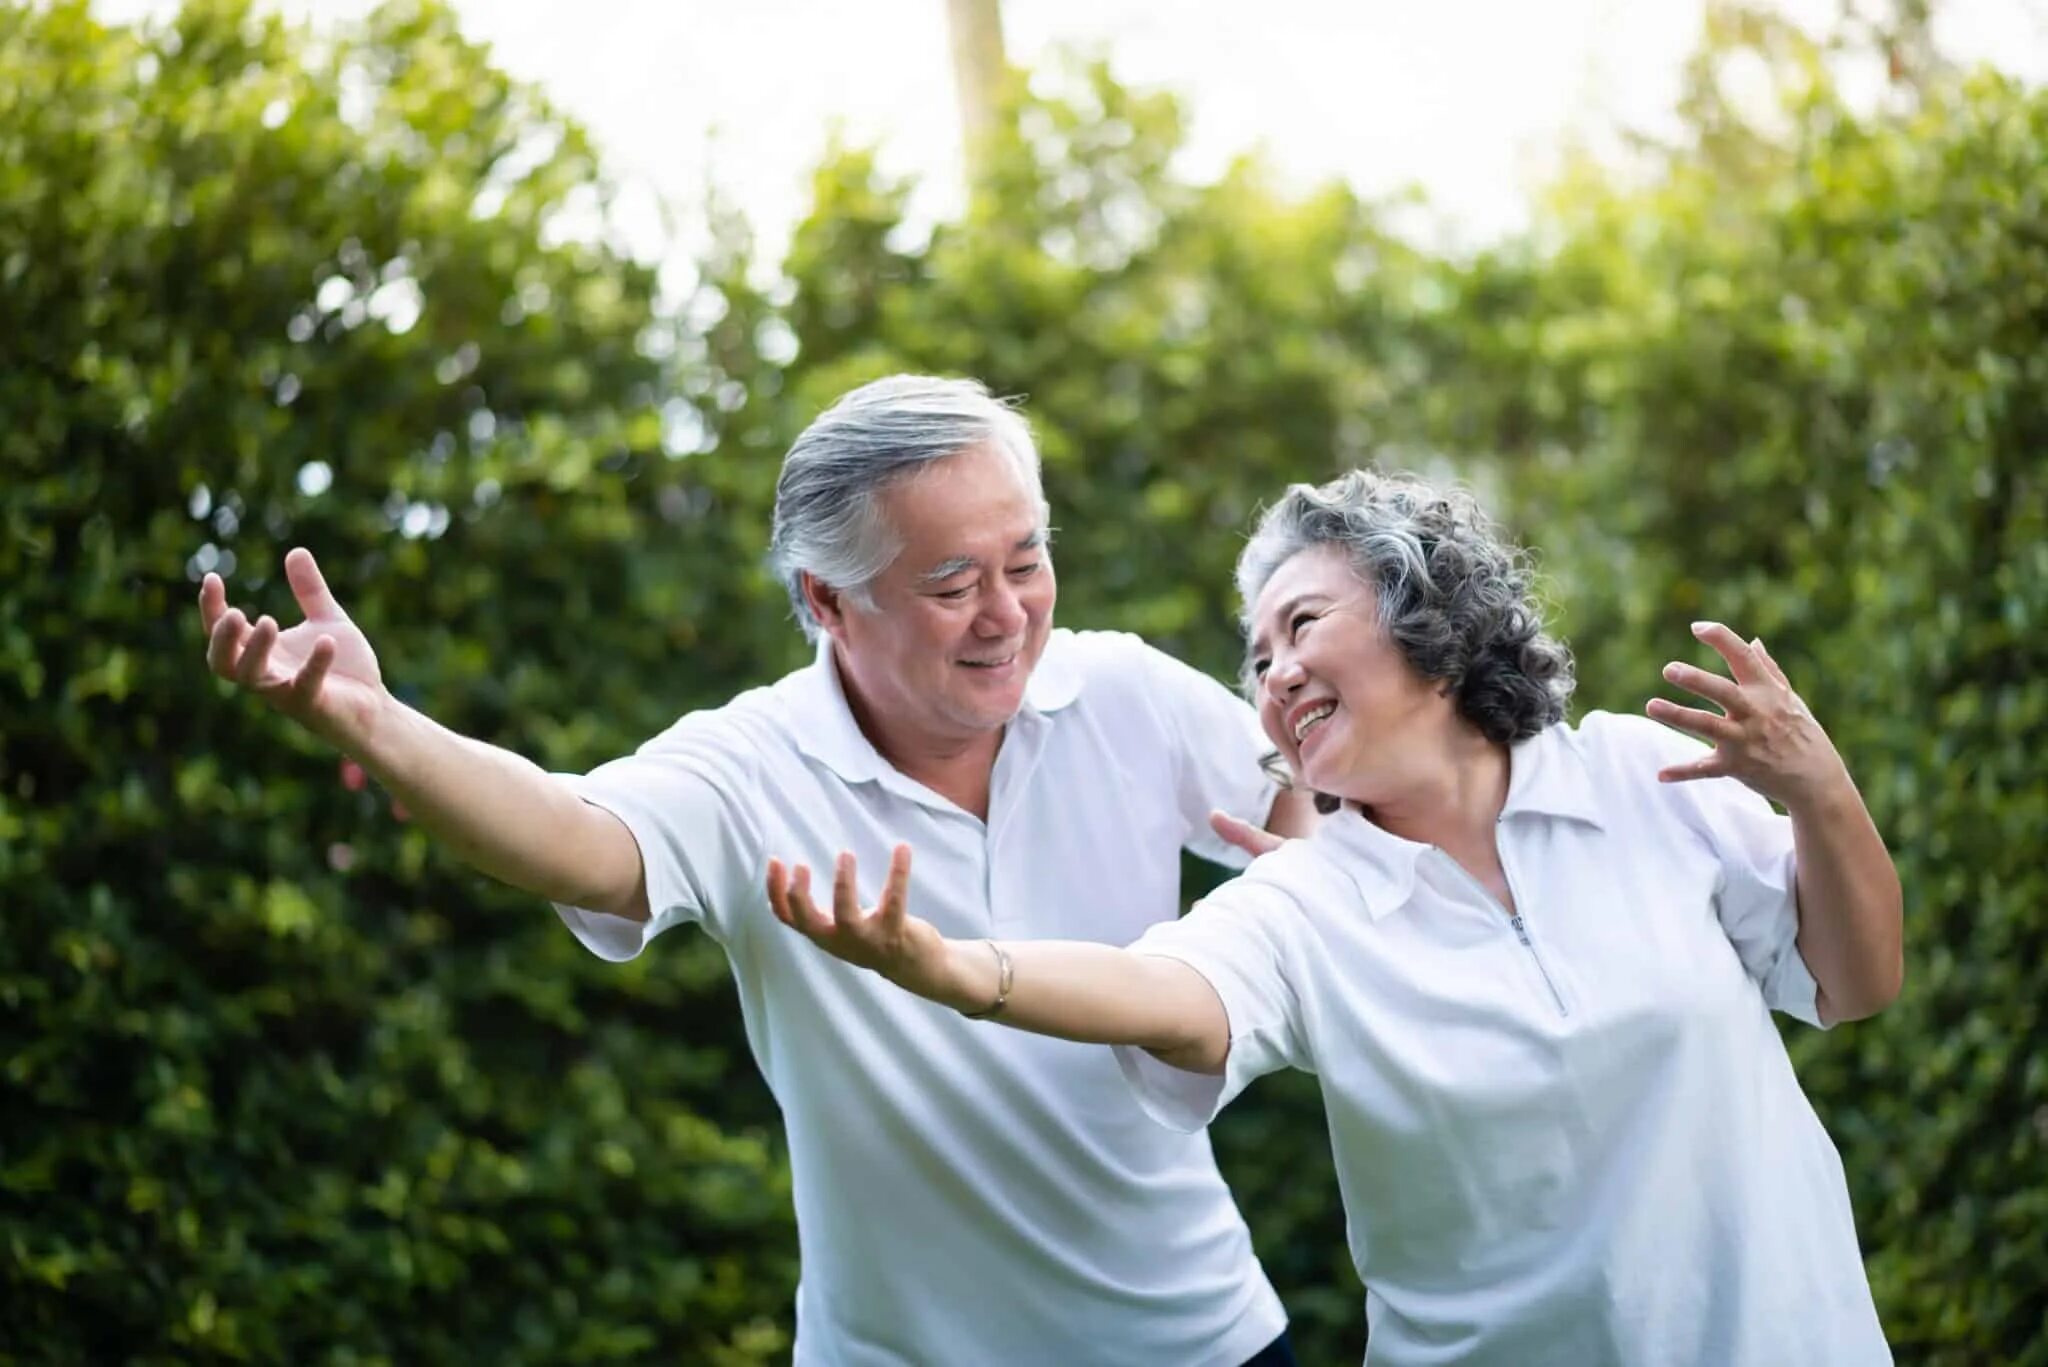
x=249, y=670
x=309, y=586
x=1253, y=840
x=792, y=900
x=213, y=603
x=779, y=896
x=789, y=897
x=1707, y=766
x=896, y=889
x=224, y=642
x=1770, y=663
x=1742, y=661
x=1715, y=688
x=305, y=688
x=1710, y=726
x=845, y=891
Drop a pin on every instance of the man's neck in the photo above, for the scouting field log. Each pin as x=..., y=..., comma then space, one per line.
x=958, y=767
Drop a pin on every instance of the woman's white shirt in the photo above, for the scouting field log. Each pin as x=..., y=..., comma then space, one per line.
x=1575, y=1137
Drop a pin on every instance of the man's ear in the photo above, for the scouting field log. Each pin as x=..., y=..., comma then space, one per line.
x=826, y=603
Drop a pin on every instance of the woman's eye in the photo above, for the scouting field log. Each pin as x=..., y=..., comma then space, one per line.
x=1259, y=668
x=1301, y=619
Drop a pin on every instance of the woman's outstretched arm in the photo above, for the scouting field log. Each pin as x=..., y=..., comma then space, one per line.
x=1070, y=989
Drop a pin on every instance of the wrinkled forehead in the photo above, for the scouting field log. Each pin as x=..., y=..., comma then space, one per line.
x=1318, y=573
x=977, y=504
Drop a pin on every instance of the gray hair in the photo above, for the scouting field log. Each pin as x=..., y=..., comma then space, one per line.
x=828, y=514
x=1454, y=597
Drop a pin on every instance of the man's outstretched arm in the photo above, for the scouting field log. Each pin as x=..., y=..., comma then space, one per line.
x=497, y=811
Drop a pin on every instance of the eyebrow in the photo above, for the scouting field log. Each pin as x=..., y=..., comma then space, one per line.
x=1286, y=611
x=946, y=569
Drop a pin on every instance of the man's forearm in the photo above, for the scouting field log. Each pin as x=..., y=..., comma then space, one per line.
x=506, y=816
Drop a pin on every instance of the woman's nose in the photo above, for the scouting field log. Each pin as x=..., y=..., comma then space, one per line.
x=1284, y=677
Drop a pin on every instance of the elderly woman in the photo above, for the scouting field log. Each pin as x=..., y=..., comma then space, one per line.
x=1531, y=964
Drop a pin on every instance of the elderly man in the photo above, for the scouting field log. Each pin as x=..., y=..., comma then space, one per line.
x=964, y=1194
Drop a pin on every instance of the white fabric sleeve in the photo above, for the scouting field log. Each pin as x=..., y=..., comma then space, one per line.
x=1242, y=939
x=1757, y=900
x=1217, y=748
x=684, y=798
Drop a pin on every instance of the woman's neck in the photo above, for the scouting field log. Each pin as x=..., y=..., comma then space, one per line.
x=1451, y=796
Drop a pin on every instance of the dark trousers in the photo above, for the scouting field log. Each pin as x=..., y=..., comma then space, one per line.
x=1278, y=1353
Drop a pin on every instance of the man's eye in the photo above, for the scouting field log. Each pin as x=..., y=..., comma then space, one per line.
x=954, y=595
x=1024, y=571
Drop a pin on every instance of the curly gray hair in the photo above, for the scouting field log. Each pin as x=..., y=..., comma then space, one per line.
x=1456, y=598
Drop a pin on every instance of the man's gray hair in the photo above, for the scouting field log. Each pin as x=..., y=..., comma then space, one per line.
x=1454, y=597
x=828, y=514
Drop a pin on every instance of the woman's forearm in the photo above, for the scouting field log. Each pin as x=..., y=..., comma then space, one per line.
x=1095, y=994
x=1851, y=922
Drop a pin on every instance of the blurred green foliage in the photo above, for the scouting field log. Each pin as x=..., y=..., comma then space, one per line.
x=278, y=1083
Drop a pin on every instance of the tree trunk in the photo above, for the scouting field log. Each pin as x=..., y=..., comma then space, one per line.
x=977, y=32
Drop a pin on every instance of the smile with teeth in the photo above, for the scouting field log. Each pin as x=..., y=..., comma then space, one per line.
x=1311, y=717
x=988, y=664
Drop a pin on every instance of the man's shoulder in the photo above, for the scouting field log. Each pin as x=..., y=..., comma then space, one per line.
x=758, y=721
x=1117, y=664
x=1090, y=651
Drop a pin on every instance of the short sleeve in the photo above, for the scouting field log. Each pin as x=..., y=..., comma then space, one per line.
x=683, y=796
x=1218, y=746
x=1757, y=900
x=1244, y=940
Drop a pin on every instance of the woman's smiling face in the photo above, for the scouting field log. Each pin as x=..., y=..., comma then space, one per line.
x=1335, y=694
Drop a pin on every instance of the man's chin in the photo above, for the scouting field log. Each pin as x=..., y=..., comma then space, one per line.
x=989, y=703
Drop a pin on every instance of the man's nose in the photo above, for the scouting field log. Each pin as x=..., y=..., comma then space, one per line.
x=1002, y=611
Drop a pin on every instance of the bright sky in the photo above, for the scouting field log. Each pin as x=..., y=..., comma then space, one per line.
x=1470, y=100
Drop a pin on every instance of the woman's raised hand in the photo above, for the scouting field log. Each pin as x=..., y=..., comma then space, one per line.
x=320, y=673
x=886, y=938
x=1763, y=734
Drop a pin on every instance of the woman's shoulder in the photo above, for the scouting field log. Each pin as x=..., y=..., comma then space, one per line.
x=1624, y=742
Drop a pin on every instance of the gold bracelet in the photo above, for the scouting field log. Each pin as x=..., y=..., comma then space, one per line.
x=1006, y=978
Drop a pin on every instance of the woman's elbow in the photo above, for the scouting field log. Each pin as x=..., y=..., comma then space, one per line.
x=1861, y=1000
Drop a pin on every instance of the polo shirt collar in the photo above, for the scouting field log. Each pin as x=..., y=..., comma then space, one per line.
x=827, y=732
x=1546, y=776
x=1381, y=863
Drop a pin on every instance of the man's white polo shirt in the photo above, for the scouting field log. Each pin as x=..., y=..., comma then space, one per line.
x=966, y=1193
x=1573, y=1143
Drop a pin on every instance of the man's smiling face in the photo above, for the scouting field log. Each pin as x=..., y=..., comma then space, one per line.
x=961, y=615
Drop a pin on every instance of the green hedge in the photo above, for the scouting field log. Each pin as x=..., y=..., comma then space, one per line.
x=280, y=1083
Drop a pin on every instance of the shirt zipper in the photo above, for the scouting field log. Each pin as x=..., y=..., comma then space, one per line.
x=1522, y=931
x=1521, y=927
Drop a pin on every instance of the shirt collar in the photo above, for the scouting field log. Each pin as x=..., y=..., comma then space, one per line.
x=1380, y=863
x=827, y=732
x=1546, y=776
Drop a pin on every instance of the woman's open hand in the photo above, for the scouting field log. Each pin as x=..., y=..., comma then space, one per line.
x=885, y=938
x=1763, y=734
